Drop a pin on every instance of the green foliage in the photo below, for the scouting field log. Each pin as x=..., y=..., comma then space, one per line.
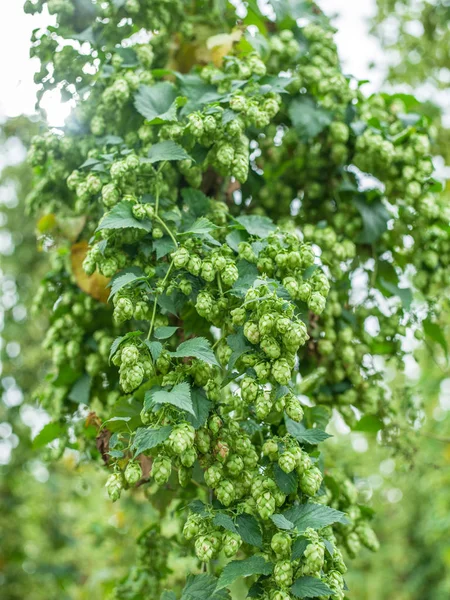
x=222, y=204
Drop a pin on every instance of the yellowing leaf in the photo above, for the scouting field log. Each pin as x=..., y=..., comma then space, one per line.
x=94, y=285
x=46, y=223
x=220, y=45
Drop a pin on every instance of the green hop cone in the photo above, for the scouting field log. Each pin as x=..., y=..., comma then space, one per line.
x=184, y=476
x=231, y=543
x=353, y=544
x=317, y=303
x=281, y=371
x=335, y=581
x=281, y=544
x=263, y=404
x=235, y=465
x=180, y=258
x=249, y=389
x=279, y=595
x=266, y=505
x=251, y=332
x=161, y=469
x=225, y=492
x=294, y=409
x=270, y=449
x=192, y=527
x=189, y=457
x=287, y=461
x=114, y=486
x=283, y=573
x=270, y=346
x=368, y=537
x=310, y=481
x=313, y=558
x=204, y=549
x=133, y=473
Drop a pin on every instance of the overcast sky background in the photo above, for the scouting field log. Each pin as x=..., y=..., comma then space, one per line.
x=356, y=46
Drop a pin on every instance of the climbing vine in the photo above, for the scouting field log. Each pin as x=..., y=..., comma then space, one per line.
x=237, y=237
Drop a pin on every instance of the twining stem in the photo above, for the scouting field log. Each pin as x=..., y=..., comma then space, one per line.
x=161, y=222
x=152, y=322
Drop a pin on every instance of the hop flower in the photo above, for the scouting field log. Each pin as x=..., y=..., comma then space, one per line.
x=133, y=472
x=251, y=332
x=161, y=469
x=231, y=543
x=225, y=492
x=266, y=505
x=294, y=409
x=114, y=486
x=270, y=346
x=287, y=461
x=281, y=371
x=181, y=258
x=281, y=544
x=368, y=537
x=310, y=481
x=283, y=573
x=249, y=389
x=313, y=558
x=204, y=549
x=214, y=475
x=317, y=303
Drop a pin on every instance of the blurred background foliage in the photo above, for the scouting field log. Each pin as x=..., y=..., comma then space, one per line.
x=62, y=538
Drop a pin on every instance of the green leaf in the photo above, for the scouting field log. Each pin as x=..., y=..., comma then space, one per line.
x=287, y=482
x=254, y=565
x=308, y=119
x=163, y=333
x=405, y=294
x=225, y=521
x=375, y=218
x=158, y=103
x=179, y=396
x=167, y=150
x=198, y=348
x=238, y=343
x=282, y=523
x=121, y=217
x=47, y=434
x=196, y=201
x=256, y=225
x=235, y=237
x=249, y=530
x=81, y=390
x=369, y=424
x=306, y=436
x=310, y=587
x=434, y=333
x=125, y=410
x=203, y=587
x=155, y=349
x=299, y=547
x=123, y=278
x=163, y=246
x=145, y=439
x=201, y=406
x=314, y=515
x=202, y=225
x=166, y=595
x=120, y=340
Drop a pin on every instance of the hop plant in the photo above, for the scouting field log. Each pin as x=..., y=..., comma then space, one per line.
x=227, y=235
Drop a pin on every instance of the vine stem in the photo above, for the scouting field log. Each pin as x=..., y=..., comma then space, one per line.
x=152, y=322
x=161, y=222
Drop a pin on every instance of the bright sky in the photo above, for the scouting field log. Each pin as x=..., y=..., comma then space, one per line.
x=356, y=46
